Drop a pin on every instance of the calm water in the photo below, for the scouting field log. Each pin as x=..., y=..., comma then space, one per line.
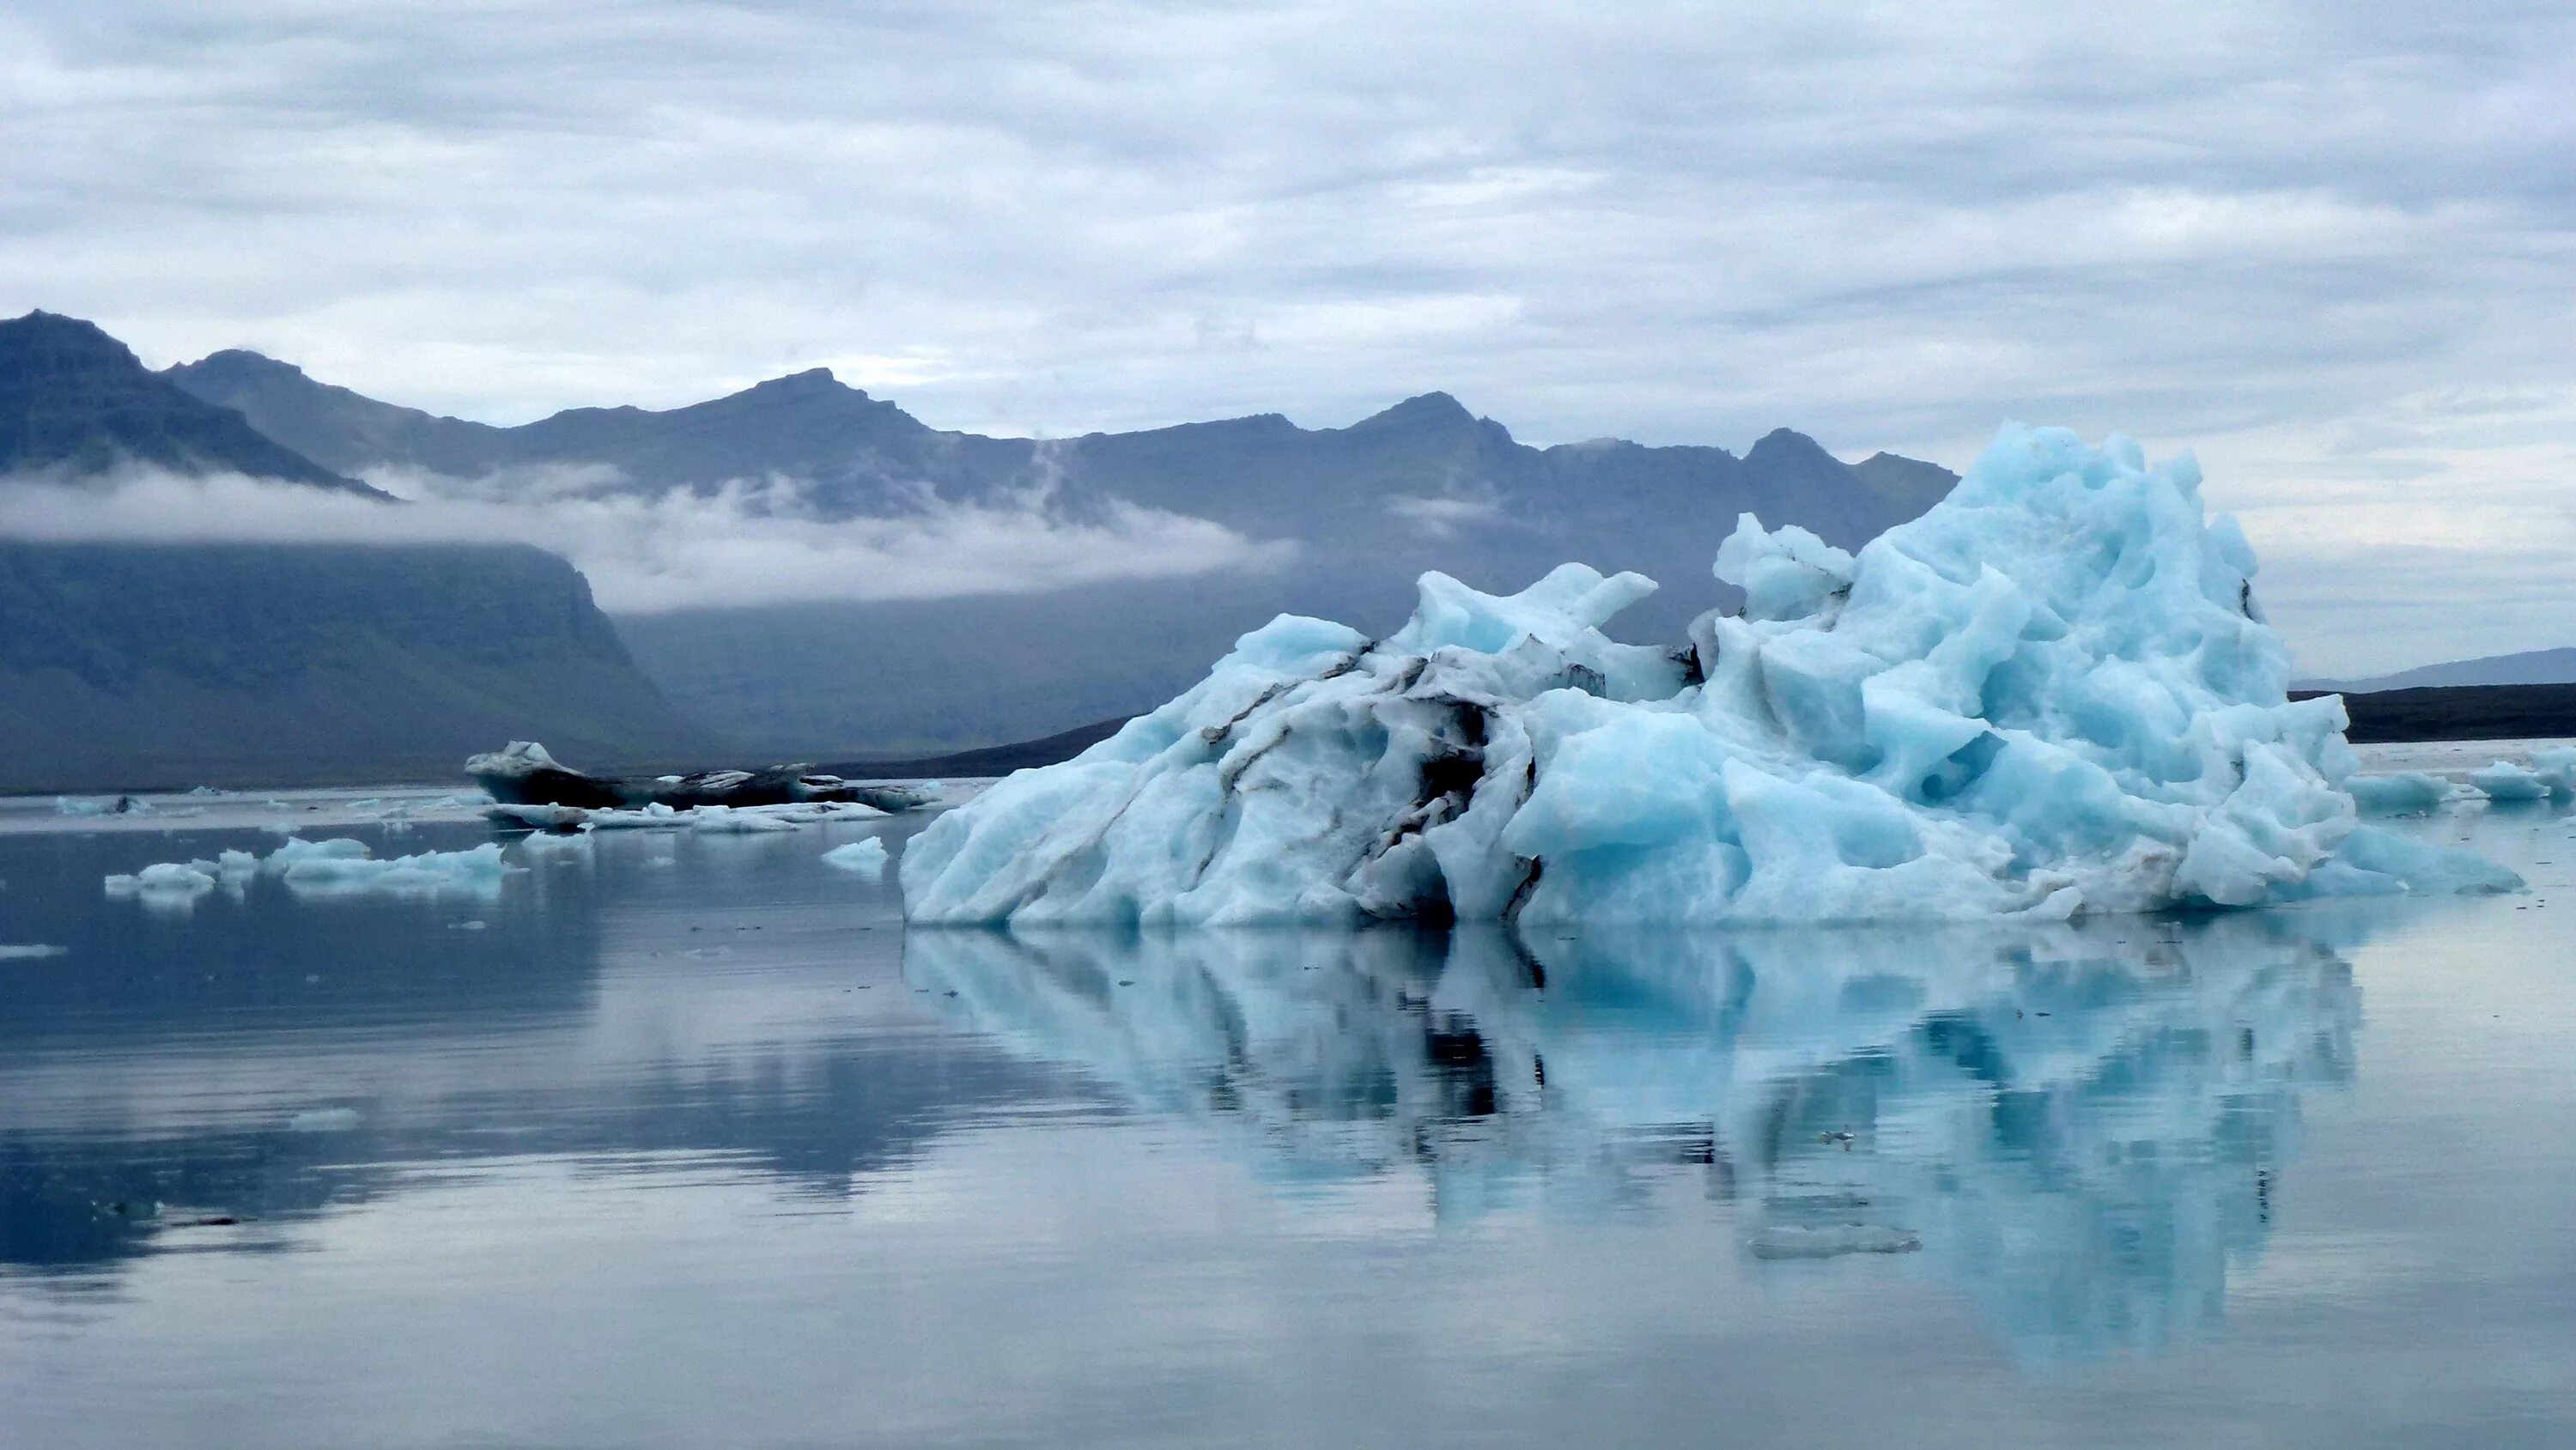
x=688, y=1144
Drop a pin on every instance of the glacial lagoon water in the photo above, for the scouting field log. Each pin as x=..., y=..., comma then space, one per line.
x=681, y=1140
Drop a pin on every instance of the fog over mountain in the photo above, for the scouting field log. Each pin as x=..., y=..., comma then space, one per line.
x=1330, y=521
x=165, y=660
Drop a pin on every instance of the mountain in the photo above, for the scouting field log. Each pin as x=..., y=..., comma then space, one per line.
x=1425, y=484
x=2533, y=667
x=128, y=666
x=75, y=401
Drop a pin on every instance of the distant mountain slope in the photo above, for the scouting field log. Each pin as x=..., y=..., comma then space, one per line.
x=1425, y=484
x=134, y=665
x=75, y=401
x=2532, y=667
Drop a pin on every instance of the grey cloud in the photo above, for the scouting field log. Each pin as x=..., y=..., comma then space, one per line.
x=2252, y=228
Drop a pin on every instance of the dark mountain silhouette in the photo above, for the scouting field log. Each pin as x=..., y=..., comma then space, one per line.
x=2531, y=667
x=1425, y=484
x=75, y=401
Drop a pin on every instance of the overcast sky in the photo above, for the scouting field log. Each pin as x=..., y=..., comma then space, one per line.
x=2331, y=247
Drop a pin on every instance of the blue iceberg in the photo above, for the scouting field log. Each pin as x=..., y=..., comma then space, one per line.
x=2052, y=694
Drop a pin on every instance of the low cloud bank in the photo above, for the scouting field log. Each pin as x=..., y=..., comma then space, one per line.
x=745, y=544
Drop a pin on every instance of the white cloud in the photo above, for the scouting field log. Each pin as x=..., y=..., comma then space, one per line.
x=746, y=544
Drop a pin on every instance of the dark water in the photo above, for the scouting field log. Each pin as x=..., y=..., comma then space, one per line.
x=688, y=1144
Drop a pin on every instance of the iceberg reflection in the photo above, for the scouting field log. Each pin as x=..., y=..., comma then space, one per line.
x=2079, y=1124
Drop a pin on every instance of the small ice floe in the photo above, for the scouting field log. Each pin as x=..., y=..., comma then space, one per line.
x=315, y=868
x=541, y=818
x=323, y=1120
x=1833, y=1240
x=165, y=885
x=28, y=953
x=2407, y=793
x=2506, y=781
x=865, y=858
x=124, y=805
x=746, y=821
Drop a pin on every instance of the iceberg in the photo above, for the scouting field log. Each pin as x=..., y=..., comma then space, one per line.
x=525, y=773
x=2052, y=694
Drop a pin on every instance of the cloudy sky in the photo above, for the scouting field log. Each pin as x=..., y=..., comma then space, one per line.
x=2330, y=247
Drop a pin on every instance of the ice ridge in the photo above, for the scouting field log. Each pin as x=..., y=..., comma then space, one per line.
x=2053, y=693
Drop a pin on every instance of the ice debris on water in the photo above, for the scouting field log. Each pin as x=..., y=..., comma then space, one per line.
x=337, y=867
x=2053, y=693
x=865, y=857
x=711, y=819
x=28, y=953
x=323, y=1120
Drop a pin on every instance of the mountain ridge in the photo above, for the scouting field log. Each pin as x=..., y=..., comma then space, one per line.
x=75, y=402
x=1424, y=483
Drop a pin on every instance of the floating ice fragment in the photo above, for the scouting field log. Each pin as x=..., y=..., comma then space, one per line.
x=745, y=821
x=28, y=953
x=2506, y=781
x=323, y=1120
x=2053, y=693
x=311, y=868
x=866, y=858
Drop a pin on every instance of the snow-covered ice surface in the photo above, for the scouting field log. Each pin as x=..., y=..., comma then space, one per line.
x=2052, y=694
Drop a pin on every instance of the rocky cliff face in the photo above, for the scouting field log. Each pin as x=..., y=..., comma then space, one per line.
x=129, y=666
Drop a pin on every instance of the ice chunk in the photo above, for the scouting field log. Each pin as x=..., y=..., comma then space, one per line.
x=165, y=886
x=323, y=1120
x=2407, y=793
x=2053, y=693
x=2555, y=766
x=474, y=871
x=28, y=953
x=2506, y=781
x=865, y=857
x=542, y=818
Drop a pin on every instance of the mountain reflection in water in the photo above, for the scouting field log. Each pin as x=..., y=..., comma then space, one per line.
x=2079, y=1125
